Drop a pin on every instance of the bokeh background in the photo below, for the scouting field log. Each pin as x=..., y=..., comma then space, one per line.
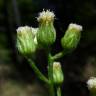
x=16, y=76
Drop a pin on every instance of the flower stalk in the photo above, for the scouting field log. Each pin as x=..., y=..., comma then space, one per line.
x=50, y=74
x=38, y=72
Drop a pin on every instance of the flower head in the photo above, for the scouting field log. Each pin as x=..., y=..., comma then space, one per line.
x=75, y=26
x=71, y=37
x=26, y=30
x=57, y=73
x=46, y=35
x=22, y=30
x=26, y=39
x=56, y=65
x=91, y=82
x=46, y=16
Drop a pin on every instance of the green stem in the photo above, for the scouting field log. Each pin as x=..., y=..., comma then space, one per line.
x=50, y=75
x=58, y=91
x=37, y=72
x=50, y=68
x=57, y=56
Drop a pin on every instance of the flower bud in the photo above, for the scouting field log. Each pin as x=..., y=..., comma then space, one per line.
x=57, y=73
x=26, y=39
x=46, y=35
x=91, y=83
x=71, y=38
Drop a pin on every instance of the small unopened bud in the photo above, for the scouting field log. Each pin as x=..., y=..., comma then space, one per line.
x=57, y=73
x=71, y=38
x=91, y=83
x=26, y=39
x=46, y=35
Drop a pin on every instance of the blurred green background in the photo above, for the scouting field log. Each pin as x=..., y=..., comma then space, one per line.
x=16, y=76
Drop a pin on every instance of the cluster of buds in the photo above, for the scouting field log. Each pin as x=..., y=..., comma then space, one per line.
x=45, y=35
x=29, y=38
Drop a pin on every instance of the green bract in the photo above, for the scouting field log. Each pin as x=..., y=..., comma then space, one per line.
x=57, y=73
x=26, y=40
x=71, y=38
x=46, y=35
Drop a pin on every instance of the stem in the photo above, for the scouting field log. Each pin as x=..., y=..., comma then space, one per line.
x=50, y=68
x=57, y=56
x=37, y=72
x=51, y=89
x=50, y=75
x=58, y=91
